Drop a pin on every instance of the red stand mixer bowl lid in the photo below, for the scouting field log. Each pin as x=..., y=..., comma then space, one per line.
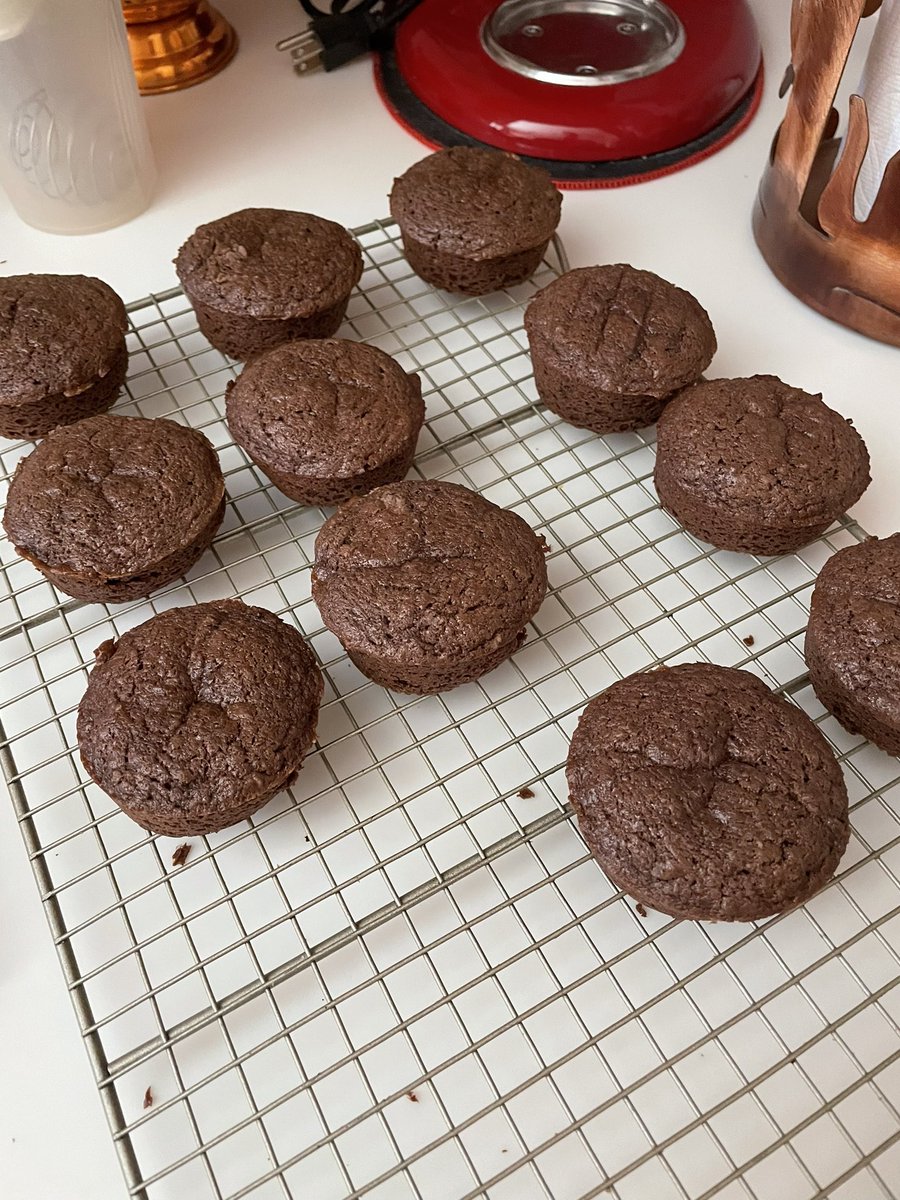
x=580, y=80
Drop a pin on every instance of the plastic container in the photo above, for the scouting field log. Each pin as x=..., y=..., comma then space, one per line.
x=74, y=152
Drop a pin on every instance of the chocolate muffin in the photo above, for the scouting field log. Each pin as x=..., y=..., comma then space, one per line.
x=263, y=276
x=113, y=508
x=193, y=720
x=62, y=351
x=427, y=585
x=756, y=466
x=474, y=220
x=704, y=795
x=326, y=420
x=611, y=345
x=853, y=640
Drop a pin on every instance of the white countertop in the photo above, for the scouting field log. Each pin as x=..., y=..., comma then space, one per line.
x=258, y=135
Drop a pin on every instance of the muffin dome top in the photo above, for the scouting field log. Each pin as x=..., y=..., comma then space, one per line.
x=422, y=570
x=764, y=449
x=621, y=329
x=474, y=202
x=325, y=406
x=58, y=335
x=197, y=711
x=113, y=495
x=270, y=263
x=706, y=795
x=854, y=625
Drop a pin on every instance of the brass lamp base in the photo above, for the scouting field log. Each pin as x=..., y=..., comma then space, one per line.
x=175, y=44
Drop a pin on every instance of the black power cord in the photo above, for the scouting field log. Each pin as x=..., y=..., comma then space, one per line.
x=345, y=31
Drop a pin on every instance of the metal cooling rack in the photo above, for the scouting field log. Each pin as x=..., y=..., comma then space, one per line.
x=407, y=978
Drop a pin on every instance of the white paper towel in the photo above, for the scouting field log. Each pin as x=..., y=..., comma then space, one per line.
x=880, y=88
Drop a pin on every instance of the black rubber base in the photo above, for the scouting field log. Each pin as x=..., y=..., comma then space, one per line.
x=420, y=120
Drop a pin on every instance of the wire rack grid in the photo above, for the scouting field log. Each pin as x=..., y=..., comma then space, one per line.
x=406, y=977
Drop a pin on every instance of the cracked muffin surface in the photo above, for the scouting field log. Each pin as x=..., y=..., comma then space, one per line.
x=755, y=465
x=263, y=276
x=113, y=508
x=193, y=720
x=612, y=344
x=62, y=351
x=705, y=795
x=474, y=220
x=426, y=584
x=853, y=639
x=326, y=419
x=270, y=263
x=476, y=202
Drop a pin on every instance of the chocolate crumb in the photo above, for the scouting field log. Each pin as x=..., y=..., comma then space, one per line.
x=104, y=650
x=504, y=1150
x=148, y=1098
x=640, y=910
x=526, y=793
x=306, y=837
x=749, y=640
x=412, y=1096
x=180, y=857
x=545, y=545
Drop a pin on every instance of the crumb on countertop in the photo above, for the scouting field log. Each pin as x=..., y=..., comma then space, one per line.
x=640, y=910
x=749, y=640
x=148, y=1098
x=525, y=793
x=412, y=1096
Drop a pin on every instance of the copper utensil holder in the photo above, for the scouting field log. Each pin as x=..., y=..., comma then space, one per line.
x=175, y=44
x=804, y=220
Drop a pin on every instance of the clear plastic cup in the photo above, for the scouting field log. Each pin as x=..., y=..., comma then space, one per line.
x=74, y=152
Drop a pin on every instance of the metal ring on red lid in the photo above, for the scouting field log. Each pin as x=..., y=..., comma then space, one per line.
x=583, y=43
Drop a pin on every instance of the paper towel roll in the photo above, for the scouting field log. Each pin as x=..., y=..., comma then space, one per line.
x=880, y=88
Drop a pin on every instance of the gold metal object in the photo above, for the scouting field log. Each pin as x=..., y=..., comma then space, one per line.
x=804, y=219
x=176, y=43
